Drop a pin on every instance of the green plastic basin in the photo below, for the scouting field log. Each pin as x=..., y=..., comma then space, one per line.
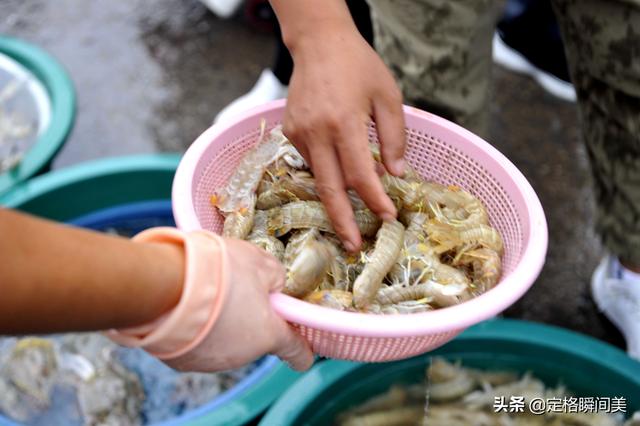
x=586, y=366
x=75, y=191
x=63, y=108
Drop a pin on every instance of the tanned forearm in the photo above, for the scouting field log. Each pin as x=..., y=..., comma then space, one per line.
x=302, y=19
x=57, y=278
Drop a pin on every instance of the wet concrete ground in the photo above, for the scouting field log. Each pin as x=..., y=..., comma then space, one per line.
x=150, y=76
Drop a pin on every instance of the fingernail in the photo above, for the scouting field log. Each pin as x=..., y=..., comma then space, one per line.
x=351, y=247
x=387, y=217
x=399, y=165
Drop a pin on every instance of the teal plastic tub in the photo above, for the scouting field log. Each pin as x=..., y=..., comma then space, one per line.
x=62, y=99
x=586, y=366
x=66, y=194
x=125, y=193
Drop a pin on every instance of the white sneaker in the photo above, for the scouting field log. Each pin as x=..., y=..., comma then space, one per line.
x=223, y=8
x=514, y=61
x=267, y=88
x=619, y=300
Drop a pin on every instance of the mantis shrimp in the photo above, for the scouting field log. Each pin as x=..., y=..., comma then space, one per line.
x=308, y=269
x=388, y=244
x=262, y=239
x=448, y=237
x=237, y=199
x=486, y=268
x=311, y=214
x=440, y=294
x=442, y=251
x=462, y=396
x=307, y=258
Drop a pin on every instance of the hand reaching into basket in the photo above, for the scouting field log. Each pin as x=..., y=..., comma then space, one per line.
x=338, y=85
x=203, y=301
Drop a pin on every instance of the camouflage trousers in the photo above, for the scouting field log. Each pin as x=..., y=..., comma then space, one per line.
x=440, y=53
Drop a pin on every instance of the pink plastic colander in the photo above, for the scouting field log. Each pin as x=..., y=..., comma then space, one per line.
x=440, y=151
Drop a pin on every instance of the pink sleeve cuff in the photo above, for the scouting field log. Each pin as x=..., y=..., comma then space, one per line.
x=204, y=291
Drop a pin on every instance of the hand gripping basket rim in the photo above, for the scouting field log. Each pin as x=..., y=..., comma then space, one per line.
x=443, y=320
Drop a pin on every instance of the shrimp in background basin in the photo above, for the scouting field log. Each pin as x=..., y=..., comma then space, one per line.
x=462, y=396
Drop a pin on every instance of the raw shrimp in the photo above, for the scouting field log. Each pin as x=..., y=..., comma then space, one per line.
x=308, y=268
x=435, y=270
x=415, y=224
x=441, y=295
x=33, y=362
x=419, y=263
x=447, y=253
x=452, y=389
x=336, y=299
x=262, y=239
x=300, y=185
x=287, y=152
x=266, y=183
x=408, y=192
x=338, y=273
x=441, y=370
x=449, y=381
x=354, y=265
x=260, y=222
x=241, y=187
x=492, y=378
x=466, y=397
x=414, y=234
x=237, y=199
x=393, y=417
x=388, y=244
x=486, y=267
x=470, y=210
x=297, y=241
x=292, y=185
x=427, y=194
x=401, y=293
x=457, y=415
x=271, y=174
x=271, y=198
x=406, y=307
x=269, y=244
x=311, y=214
x=528, y=387
x=238, y=224
x=447, y=237
x=356, y=201
x=396, y=396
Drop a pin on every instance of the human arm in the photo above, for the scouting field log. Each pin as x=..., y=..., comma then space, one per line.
x=338, y=85
x=56, y=278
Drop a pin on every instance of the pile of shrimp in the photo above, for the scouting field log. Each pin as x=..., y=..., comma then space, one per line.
x=456, y=396
x=15, y=130
x=440, y=252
